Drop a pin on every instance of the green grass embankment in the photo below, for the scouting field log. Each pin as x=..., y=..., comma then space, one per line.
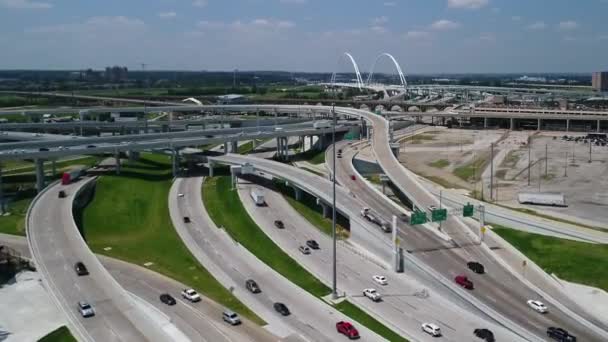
x=573, y=261
x=472, y=170
x=130, y=215
x=371, y=323
x=61, y=334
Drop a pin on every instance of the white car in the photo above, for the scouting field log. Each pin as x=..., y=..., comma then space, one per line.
x=380, y=279
x=85, y=309
x=304, y=250
x=180, y=195
x=537, y=306
x=372, y=294
x=191, y=295
x=431, y=329
x=432, y=208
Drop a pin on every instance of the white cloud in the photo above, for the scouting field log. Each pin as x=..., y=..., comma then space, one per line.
x=25, y=4
x=444, y=25
x=390, y=4
x=537, y=26
x=259, y=23
x=470, y=4
x=417, y=35
x=199, y=3
x=380, y=20
x=293, y=2
x=93, y=25
x=167, y=15
x=568, y=25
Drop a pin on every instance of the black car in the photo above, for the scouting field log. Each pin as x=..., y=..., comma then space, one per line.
x=476, y=267
x=279, y=224
x=91, y=146
x=167, y=299
x=81, y=269
x=43, y=149
x=312, y=244
x=560, y=334
x=484, y=334
x=61, y=194
x=282, y=309
x=252, y=286
x=186, y=219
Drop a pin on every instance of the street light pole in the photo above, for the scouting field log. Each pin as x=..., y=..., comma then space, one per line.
x=334, y=292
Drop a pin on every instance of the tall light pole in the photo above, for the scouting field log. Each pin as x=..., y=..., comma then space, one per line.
x=334, y=292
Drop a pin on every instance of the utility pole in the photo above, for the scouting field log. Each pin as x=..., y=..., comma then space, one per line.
x=334, y=292
x=491, y=171
x=590, y=144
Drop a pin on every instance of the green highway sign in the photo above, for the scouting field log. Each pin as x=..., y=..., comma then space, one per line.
x=468, y=210
x=418, y=217
x=438, y=215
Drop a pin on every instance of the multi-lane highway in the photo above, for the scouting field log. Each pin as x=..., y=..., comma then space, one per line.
x=498, y=288
x=56, y=245
x=232, y=265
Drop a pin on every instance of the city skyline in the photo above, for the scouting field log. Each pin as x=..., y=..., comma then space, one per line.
x=439, y=36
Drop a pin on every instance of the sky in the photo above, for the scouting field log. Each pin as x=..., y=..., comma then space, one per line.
x=425, y=36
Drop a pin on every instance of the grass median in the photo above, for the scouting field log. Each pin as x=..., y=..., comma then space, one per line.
x=219, y=199
x=61, y=334
x=129, y=215
x=572, y=261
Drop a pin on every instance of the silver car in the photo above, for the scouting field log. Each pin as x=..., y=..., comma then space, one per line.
x=85, y=309
x=231, y=317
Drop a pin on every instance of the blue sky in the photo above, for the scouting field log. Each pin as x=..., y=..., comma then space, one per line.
x=425, y=36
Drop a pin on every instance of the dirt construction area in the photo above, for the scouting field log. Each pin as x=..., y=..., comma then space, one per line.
x=456, y=158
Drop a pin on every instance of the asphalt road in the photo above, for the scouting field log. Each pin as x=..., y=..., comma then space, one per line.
x=497, y=288
x=232, y=265
x=401, y=309
x=56, y=246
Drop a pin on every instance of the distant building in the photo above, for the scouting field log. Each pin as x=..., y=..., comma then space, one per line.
x=599, y=81
x=117, y=74
x=232, y=99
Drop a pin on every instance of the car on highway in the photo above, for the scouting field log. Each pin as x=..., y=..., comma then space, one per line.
x=432, y=208
x=279, y=224
x=431, y=329
x=252, y=286
x=304, y=250
x=43, y=149
x=180, y=195
x=281, y=308
x=81, y=269
x=372, y=294
x=167, y=299
x=484, y=334
x=85, y=309
x=353, y=177
x=380, y=279
x=463, y=281
x=91, y=146
x=347, y=329
x=61, y=194
x=186, y=219
x=191, y=295
x=537, y=306
x=231, y=317
x=560, y=334
x=476, y=267
x=312, y=244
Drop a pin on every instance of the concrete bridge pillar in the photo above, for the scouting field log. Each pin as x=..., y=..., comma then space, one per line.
x=39, y=174
x=133, y=155
x=175, y=162
x=567, y=125
x=211, y=165
x=298, y=193
x=234, y=147
x=311, y=141
x=368, y=133
x=279, y=149
x=117, y=157
x=2, y=204
x=327, y=212
x=321, y=143
x=599, y=125
x=538, y=125
x=511, y=123
x=286, y=147
x=485, y=122
x=225, y=147
x=255, y=143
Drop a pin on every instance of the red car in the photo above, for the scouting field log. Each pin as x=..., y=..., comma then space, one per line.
x=347, y=329
x=353, y=177
x=463, y=281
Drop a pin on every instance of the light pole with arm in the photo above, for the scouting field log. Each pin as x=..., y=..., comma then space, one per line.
x=334, y=292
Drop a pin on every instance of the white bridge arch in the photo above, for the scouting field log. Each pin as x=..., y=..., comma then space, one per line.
x=360, y=82
x=397, y=66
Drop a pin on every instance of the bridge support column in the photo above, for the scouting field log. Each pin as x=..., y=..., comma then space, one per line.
x=538, y=125
x=599, y=124
x=175, y=162
x=254, y=143
x=298, y=193
x=279, y=150
x=368, y=132
x=485, y=123
x=311, y=141
x=117, y=157
x=286, y=147
x=327, y=212
x=39, y=174
x=211, y=165
x=2, y=204
x=225, y=147
x=133, y=155
x=397, y=251
x=567, y=125
x=234, y=147
x=511, y=124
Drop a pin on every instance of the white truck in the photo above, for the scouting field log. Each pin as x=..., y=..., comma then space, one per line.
x=321, y=124
x=258, y=197
x=369, y=215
